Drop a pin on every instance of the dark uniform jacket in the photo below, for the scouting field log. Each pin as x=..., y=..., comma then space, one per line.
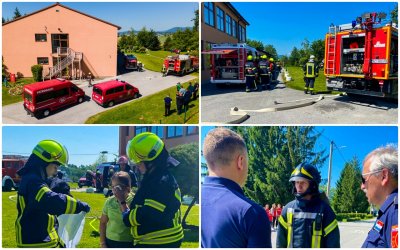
x=38, y=206
x=264, y=68
x=250, y=69
x=384, y=233
x=308, y=224
x=155, y=215
x=229, y=219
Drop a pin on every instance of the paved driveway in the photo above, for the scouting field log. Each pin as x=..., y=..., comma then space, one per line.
x=148, y=82
x=216, y=104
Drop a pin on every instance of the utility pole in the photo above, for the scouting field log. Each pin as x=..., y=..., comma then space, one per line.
x=329, y=168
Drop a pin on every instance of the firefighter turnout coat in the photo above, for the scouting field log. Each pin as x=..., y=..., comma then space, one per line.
x=38, y=206
x=308, y=224
x=154, y=215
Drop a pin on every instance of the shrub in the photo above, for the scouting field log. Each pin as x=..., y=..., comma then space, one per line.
x=19, y=75
x=142, y=50
x=37, y=72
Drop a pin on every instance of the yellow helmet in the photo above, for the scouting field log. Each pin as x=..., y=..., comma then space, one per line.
x=264, y=56
x=144, y=147
x=51, y=151
x=249, y=58
x=271, y=59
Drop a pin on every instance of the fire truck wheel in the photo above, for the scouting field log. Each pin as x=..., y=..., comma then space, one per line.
x=46, y=113
x=110, y=104
x=80, y=99
x=8, y=186
x=136, y=96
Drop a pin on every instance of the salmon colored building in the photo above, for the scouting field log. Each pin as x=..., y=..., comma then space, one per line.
x=65, y=41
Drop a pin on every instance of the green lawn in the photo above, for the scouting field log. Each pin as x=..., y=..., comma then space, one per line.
x=153, y=60
x=89, y=239
x=148, y=110
x=10, y=99
x=298, y=83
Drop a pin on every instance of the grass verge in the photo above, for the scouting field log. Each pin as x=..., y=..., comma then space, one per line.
x=10, y=99
x=149, y=110
x=298, y=83
x=153, y=60
x=89, y=239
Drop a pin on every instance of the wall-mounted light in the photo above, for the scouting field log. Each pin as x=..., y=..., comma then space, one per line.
x=59, y=30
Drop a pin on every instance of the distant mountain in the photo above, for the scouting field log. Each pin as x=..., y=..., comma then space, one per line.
x=172, y=30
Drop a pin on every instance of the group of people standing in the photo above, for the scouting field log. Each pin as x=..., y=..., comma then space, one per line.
x=151, y=217
x=262, y=71
x=183, y=98
x=229, y=219
x=273, y=214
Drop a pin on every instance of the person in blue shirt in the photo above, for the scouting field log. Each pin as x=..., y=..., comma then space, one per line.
x=380, y=184
x=228, y=218
x=167, y=102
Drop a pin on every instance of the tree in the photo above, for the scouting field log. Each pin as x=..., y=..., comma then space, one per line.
x=393, y=14
x=3, y=20
x=258, y=45
x=16, y=13
x=101, y=159
x=318, y=49
x=274, y=152
x=294, y=57
x=167, y=43
x=270, y=49
x=348, y=196
x=148, y=39
x=196, y=20
x=187, y=172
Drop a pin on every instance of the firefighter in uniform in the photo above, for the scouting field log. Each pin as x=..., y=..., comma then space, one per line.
x=380, y=184
x=250, y=73
x=308, y=221
x=264, y=72
x=154, y=214
x=37, y=205
x=310, y=72
x=272, y=69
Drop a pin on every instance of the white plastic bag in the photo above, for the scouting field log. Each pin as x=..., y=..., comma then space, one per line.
x=70, y=228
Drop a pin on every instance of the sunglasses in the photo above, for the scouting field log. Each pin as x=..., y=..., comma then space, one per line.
x=364, y=180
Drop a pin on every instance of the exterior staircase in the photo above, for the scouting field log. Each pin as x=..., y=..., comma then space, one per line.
x=71, y=57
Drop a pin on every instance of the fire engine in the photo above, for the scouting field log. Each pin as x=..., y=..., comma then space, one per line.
x=180, y=65
x=361, y=58
x=9, y=173
x=227, y=62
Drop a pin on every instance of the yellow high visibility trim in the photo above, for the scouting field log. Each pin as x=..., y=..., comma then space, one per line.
x=283, y=222
x=18, y=223
x=331, y=227
x=160, y=233
x=290, y=229
x=154, y=204
x=49, y=244
x=51, y=230
x=178, y=194
x=132, y=217
x=303, y=171
x=41, y=192
x=316, y=237
x=164, y=240
x=71, y=205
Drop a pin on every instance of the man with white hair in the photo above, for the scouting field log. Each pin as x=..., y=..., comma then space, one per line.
x=310, y=72
x=380, y=184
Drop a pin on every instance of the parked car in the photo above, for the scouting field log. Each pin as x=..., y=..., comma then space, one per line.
x=88, y=180
x=131, y=62
x=41, y=98
x=108, y=93
x=103, y=175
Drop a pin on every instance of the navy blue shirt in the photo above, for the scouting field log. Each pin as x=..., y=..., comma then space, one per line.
x=229, y=219
x=384, y=232
x=168, y=100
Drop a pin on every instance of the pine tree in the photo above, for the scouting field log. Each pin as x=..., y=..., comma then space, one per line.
x=274, y=152
x=348, y=196
x=16, y=13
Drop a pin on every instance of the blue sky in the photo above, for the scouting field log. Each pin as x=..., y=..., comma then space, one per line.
x=351, y=141
x=158, y=16
x=84, y=143
x=285, y=25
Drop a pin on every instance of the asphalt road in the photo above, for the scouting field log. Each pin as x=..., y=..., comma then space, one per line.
x=148, y=82
x=216, y=104
x=352, y=234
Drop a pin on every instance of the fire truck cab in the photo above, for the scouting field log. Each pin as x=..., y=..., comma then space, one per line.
x=10, y=177
x=227, y=62
x=361, y=58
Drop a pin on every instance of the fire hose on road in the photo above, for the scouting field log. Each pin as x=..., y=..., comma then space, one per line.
x=285, y=106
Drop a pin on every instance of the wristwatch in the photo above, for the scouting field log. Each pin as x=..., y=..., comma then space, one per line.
x=122, y=202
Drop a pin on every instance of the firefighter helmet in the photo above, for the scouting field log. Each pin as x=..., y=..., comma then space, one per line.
x=271, y=59
x=312, y=57
x=308, y=172
x=264, y=56
x=52, y=152
x=144, y=147
x=249, y=58
x=123, y=159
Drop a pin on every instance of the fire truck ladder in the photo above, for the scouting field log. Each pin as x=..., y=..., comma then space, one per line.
x=71, y=57
x=241, y=62
x=330, y=60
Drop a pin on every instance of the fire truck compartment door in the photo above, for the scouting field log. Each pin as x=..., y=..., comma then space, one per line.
x=218, y=51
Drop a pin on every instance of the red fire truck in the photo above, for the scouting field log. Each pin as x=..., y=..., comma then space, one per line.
x=361, y=58
x=9, y=173
x=180, y=65
x=227, y=62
